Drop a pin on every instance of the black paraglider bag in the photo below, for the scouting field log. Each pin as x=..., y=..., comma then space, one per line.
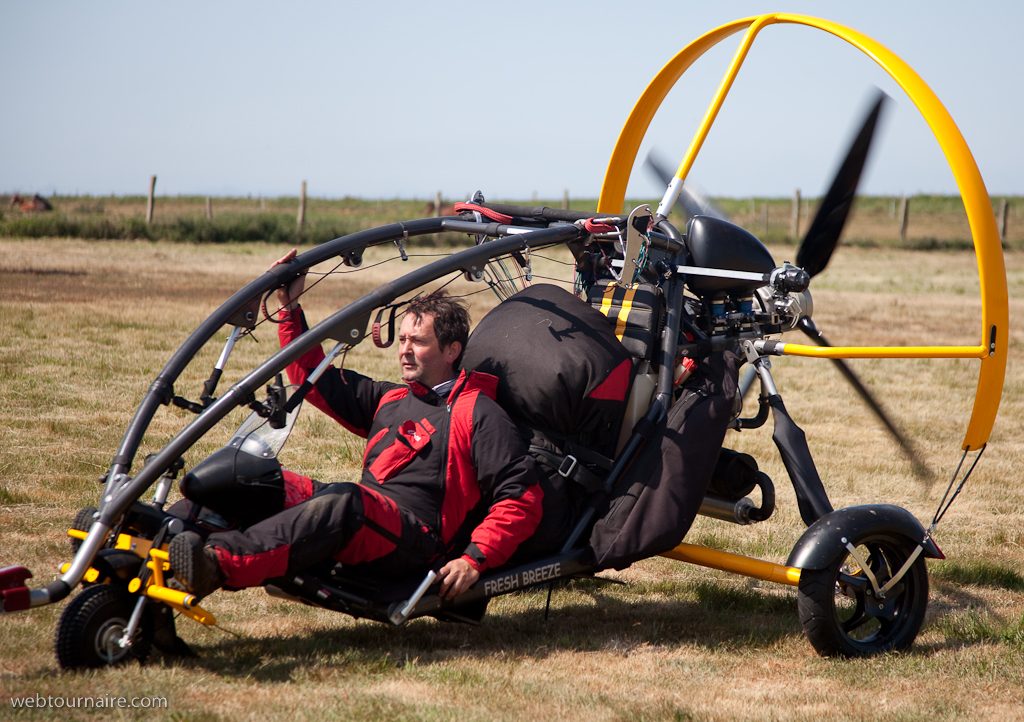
x=654, y=504
x=561, y=371
x=563, y=378
x=633, y=311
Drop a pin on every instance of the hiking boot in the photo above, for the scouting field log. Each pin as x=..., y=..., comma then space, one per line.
x=195, y=564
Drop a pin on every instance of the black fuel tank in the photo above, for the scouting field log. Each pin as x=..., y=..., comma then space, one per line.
x=714, y=243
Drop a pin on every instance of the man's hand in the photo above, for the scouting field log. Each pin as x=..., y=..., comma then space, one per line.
x=457, y=576
x=289, y=297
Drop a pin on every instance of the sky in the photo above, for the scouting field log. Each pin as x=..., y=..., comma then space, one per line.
x=404, y=99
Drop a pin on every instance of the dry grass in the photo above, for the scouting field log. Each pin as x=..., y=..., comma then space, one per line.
x=87, y=326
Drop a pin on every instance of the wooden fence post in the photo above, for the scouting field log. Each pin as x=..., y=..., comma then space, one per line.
x=302, y=206
x=565, y=199
x=795, y=228
x=1004, y=212
x=437, y=205
x=149, y=205
x=209, y=209
x=764, y=217
x=904, y=217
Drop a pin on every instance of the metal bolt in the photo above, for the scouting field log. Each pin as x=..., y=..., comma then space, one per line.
x=354, y=333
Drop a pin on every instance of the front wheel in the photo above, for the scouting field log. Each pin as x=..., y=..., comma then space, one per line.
x=842, y=614
x=92, y=625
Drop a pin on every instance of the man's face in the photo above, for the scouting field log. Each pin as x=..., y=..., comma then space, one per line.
x=420, y=355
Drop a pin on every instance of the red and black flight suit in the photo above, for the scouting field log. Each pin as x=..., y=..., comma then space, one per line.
x=441, y=475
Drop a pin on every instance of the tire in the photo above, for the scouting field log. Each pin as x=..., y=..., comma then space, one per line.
x=839, y=611
x=91, y=624
x=83, y=521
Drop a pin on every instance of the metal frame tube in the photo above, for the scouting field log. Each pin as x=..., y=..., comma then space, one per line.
x=744, y=566
x=468, y=261
x=224, y=354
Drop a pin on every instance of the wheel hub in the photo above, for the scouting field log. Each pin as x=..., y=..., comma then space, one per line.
x=108, y=640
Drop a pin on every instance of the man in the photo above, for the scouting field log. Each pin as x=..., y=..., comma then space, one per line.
x=446, y=476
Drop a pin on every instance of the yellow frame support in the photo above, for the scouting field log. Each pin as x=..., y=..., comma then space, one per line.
x=756, y=568
x=992, y=350
x=155, y=588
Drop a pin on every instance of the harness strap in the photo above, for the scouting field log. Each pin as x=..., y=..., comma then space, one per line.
x=485, y=212
x=375, y=329
x=592, y=225
x=571, y=467
x=375, y=332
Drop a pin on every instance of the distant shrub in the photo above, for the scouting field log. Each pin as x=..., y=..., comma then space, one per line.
x=228, y=228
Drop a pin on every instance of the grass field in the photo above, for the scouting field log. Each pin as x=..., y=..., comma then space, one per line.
x=86, y=326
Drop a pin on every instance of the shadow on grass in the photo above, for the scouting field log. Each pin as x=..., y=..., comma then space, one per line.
x=585, y=617
x=966, y=618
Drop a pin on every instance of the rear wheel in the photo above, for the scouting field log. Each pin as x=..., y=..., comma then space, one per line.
x=92, y=625
x=842, y=614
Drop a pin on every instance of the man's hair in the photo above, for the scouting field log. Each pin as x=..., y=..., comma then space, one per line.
x=451, y=318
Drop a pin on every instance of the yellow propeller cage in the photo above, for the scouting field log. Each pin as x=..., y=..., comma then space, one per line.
x=992, y=350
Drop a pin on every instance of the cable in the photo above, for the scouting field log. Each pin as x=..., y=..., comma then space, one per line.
x=940, y=512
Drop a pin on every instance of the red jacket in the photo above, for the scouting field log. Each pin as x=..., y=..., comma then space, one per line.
x=458, y=463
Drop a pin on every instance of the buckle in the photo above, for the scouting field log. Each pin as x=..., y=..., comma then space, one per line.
x=571, y=460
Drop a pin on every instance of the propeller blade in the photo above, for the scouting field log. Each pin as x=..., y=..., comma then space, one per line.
x=920, y=469
x=823, y=235
x=691, y=201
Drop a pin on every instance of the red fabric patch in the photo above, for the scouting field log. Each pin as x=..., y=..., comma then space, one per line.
x=462, y=492
x=614, y=387
x=487, y=384
x=251, y=570
x=471, y=562
x=367, y=545
x=393, y=395
x=410, y=439
x=417, y=388
x=373, y=442
x=296, y=488
x=507, y=519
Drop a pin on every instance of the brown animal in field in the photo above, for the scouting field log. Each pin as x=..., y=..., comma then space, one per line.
x=446, y=210
x=34, y=205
